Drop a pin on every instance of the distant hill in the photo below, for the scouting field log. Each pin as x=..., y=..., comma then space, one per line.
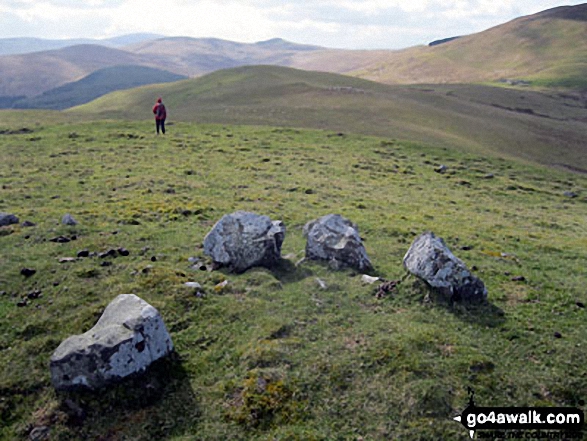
x=546, y=128
x=95, y=85
x=547, y=49
x=16, y=46
x=33, y=74
x=197, y=56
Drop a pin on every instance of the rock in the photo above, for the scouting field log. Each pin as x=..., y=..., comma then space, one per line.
x=558, y=335
x=570, y=194
x=368, y=280
x=68, y=220
x=60, y=239
x=337, y=240
x=441, y=169
x=321, y=283
x=123, y=252
x=489, y=176
x=28, y=224
x=243, y=240
x=67, y=259
x=194, y=285
x=431, y=260
x=220, y=287
x=8, y=219
x=128, y=337
x=83, y=253
x=40, y=433
x=28, y=272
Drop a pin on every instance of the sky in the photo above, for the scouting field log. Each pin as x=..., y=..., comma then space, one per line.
x=350, y=24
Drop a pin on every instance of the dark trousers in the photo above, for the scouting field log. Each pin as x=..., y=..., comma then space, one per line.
x=160, y=123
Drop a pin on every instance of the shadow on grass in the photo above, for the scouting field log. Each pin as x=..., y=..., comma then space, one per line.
x=484, y=314
x=287, y=272
x=153, y=405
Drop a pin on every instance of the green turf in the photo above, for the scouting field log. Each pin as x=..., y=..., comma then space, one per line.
x=548, y=128
x=274, y=356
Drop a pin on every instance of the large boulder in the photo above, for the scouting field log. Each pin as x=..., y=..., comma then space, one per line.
x=8, y=219
x=432, y=261
x=243, y=240
x=129, y=336
x=336, y=239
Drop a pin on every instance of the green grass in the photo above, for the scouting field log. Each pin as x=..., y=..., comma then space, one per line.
x=480, y=119
x=273, y=356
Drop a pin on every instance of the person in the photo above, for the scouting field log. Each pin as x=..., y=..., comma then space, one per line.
x=160, y=115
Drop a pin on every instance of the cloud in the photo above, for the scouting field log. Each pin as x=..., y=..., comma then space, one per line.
x=335, y=23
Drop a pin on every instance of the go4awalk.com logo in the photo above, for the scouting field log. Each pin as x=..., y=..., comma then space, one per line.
x=522, y=422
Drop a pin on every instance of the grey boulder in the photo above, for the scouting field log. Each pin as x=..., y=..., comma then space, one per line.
x=8, y=219
x=336, y=239
x=129, y=336
x=243, y=240
x=432, y=261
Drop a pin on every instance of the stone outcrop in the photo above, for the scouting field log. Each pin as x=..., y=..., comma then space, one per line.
x=243, y=240
x=336, y=239
x=127, y=338
x=432, y=261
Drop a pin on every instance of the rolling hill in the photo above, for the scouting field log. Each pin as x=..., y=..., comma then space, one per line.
x=547, y=49
x=96, y=84
x=546, y=128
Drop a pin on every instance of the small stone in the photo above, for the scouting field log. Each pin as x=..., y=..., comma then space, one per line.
x=221, y=286
x=441, y=169
x=22, y=303
x=67, y=259
x=580, y=304
x=28, y=224
x=68, y=220
x=40, y=433
x=123, y=252
x=518, y=279
x=33, y=295
x=28, y=272
x=194, y=285
x=489, y=176
x=83, y=253
x=8, y=219
x=321, y=283
x=193, y=259
x=106, y=263
x=467, y=248
x=60, y=239
x=570, y=194
x=369, y=280
x=154, y=259
x=147, y=269
x=558, y=335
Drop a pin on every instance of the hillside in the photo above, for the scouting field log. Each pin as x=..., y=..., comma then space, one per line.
x=273, y=355
x=95, y=85
x=33, y=74
x=545, y=128
x=548, y=49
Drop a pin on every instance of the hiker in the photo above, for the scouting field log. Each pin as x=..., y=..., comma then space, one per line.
x=160, y=115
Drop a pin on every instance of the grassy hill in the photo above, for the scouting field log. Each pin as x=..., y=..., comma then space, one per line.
x=546, y=128
x=273, y=355
x=95, y=85
x=547, y=49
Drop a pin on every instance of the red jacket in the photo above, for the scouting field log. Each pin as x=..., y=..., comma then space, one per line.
x=159, y=111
